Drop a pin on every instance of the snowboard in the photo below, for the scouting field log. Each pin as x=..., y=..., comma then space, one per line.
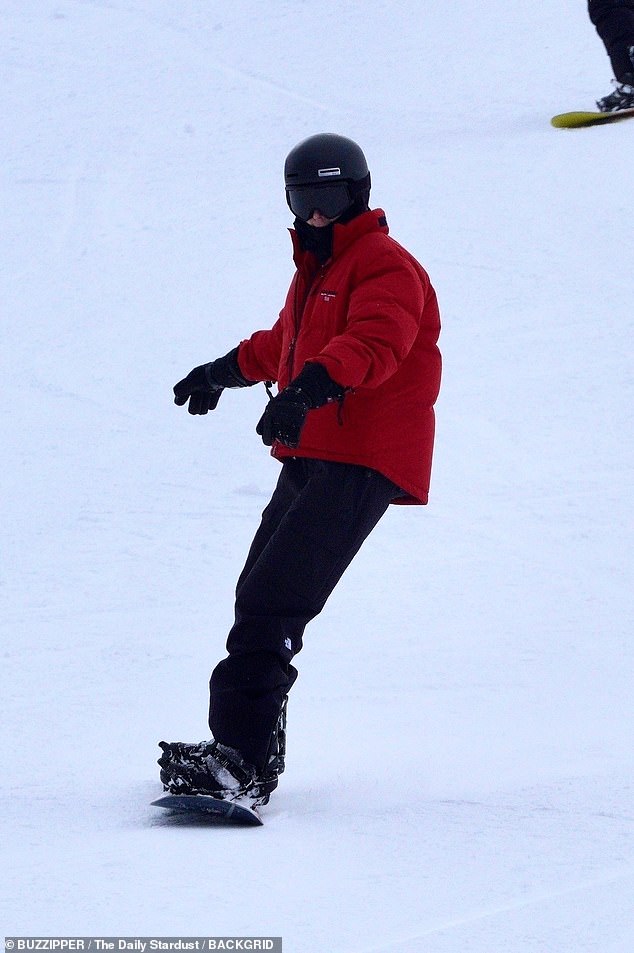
x=577, y=120
x=213, y=808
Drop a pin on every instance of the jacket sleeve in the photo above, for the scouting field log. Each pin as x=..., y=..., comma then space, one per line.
x=384, y=318
x=259, y=356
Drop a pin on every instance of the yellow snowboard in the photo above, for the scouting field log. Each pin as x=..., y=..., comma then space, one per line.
x=576, y=120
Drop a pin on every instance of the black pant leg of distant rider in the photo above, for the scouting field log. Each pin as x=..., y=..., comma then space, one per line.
x=614, y=22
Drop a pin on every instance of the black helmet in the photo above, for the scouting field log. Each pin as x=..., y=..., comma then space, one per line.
x=325, y=172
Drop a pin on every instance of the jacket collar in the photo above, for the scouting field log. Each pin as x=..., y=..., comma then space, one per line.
x=343, y=236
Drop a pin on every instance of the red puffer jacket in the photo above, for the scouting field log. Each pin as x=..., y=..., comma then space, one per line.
x=370, y=317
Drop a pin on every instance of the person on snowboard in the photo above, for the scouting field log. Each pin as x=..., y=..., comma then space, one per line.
x=614, y=22
x=357, y=368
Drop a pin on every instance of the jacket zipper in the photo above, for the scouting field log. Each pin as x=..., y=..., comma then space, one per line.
x=299, y=314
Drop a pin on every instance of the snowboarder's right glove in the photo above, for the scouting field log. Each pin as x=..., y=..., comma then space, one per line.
x=285, y=414
x=204, y=385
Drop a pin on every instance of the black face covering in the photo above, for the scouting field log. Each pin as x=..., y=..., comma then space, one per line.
x=317, y=240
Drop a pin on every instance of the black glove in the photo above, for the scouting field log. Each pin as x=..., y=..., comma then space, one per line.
x=284, y=418
x=204, y=385
x=285, y=414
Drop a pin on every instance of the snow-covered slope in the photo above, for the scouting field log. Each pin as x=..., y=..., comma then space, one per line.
x=460, y=759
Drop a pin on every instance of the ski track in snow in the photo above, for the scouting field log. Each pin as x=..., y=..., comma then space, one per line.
x=198, y=48
x=414, y=944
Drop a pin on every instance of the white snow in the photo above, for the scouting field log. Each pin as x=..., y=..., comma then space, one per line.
x=461, y=748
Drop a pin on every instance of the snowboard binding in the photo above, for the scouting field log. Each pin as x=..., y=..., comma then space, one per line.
x=214, y=769
x=621, y=98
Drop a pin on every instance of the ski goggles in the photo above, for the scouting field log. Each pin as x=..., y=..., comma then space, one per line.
x=329, y=198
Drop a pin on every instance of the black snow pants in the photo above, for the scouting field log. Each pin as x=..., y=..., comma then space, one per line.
x=318, y=517
x=614, y=22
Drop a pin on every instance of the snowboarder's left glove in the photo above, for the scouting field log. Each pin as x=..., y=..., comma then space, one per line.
x=285, y=415
x=204, y=385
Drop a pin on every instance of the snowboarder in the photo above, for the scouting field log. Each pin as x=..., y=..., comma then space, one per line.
x=614, y=22
x=357, y=367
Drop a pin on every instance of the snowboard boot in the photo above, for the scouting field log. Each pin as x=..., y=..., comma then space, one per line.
x=206, y=768
x=211, y=768
x=621, y=98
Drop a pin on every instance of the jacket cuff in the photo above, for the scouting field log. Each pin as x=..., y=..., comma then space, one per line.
x=233, y=369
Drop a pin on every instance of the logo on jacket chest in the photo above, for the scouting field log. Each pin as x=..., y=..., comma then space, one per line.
x=327, y=295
